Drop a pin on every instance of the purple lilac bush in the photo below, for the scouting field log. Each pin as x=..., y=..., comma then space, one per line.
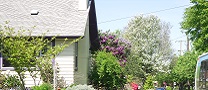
x=118, y=46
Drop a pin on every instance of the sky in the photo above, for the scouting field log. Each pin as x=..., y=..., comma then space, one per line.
x=115, y=14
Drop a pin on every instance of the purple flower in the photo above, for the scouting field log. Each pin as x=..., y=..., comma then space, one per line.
x=112, y=49
x=117, y=46
x=115, y=53
x=105, y=38
x=107, y=47
x=103, y=41
x=111, y=36
x=121, y=63
x=121, y=52
x=116, y=41
x=120, y=48
x=124, y=60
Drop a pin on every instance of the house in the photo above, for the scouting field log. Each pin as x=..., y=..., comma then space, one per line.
x=66, y=18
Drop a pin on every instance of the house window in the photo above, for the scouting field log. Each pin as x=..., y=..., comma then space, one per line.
x=6, y=62
x=5, y=65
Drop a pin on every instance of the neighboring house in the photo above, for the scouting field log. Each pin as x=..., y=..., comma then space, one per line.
x=66, y=18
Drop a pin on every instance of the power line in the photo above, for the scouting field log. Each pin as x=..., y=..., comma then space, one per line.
x=144, y=14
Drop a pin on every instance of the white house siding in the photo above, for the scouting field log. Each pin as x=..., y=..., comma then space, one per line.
x=65, y=62
x=29, y=80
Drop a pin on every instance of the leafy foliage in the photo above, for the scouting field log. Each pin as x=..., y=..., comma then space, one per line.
x=119, y=47
x=148, y=37
x=168, y=88
x=107, y=72
x=148, y=83
x=162, y=77
x=166, y=76
x=185, y=68
x=28, y=53
x=44, y=86
x=195, y=24
x=80, y=87
x=11, y=81
x=2, y=79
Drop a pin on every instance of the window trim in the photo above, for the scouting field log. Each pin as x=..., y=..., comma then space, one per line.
x=1, y=64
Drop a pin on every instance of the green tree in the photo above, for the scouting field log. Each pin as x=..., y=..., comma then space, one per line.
x=184, y=70
x=195, y=24
x=107, y=72
x=25, y=52
x=150, y=45
x=173, y=62
x=166, y=76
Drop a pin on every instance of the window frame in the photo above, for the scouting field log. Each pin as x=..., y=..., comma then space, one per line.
x=1, y=64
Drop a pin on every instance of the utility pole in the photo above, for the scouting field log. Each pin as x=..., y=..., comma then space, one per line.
x=180, y=41
x=188, y=44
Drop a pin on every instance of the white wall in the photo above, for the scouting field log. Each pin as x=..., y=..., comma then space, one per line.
x=65, y=62
x=83, y=4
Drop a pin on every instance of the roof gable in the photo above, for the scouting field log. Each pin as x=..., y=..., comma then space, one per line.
x=56, y=17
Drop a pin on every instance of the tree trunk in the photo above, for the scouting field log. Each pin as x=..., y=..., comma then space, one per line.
x=22, y=86
x=189, y=87
x=181, y=86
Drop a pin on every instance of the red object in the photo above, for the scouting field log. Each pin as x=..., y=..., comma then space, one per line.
x=134, y=86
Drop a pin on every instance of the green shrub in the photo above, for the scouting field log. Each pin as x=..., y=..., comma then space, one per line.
x=168, y=88
x=44, y=86
x=2, y=79
x=80, y=87
x=11, y=81
x=107, y=72
x=148, y=83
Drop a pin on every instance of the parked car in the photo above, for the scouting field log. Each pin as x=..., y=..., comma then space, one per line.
x=160, y=88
